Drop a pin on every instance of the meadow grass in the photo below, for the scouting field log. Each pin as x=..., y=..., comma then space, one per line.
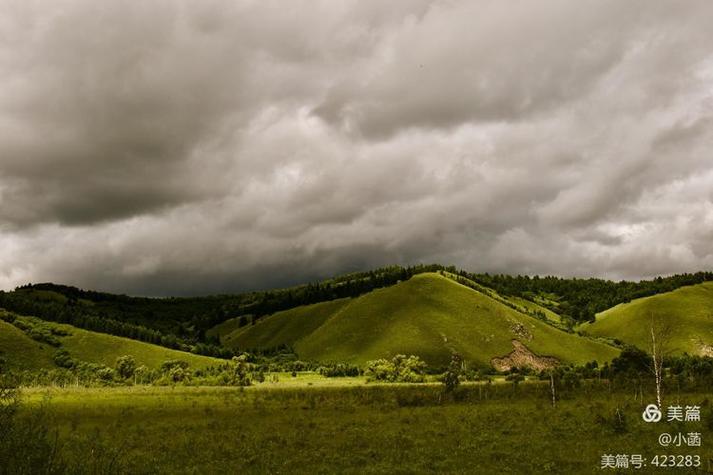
x=359, y=429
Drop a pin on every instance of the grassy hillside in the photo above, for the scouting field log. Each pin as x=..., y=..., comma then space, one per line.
x=689, y=310
x=105, y=349
x=285, y=327
x=21, y=352
x=428, y=315
x=518, y=303
x=185, y=318
x=534, y=307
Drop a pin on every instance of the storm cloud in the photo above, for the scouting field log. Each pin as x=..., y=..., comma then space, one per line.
x=176, y=147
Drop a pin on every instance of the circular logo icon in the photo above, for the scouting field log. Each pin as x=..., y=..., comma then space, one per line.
x=652, y=413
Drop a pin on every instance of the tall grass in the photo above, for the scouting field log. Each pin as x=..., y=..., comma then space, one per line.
x=483, y=428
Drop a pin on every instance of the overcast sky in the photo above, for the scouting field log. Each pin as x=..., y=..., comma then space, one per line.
x=192, y=147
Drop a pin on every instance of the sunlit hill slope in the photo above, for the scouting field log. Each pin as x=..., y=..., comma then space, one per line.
x=429, y=315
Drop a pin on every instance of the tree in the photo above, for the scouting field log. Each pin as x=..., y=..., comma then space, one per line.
x=125, y=366
x=451, y=378
x=660, y=331
x=553, y=374
x=571, y=379
x=241, y=371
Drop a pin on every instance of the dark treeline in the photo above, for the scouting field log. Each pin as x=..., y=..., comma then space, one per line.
x=634, y=368
x=351, y=285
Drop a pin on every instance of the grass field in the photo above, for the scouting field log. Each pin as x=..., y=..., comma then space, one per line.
x=689, y=310
x=373, y=429
x=21, y=352
x=429, y=316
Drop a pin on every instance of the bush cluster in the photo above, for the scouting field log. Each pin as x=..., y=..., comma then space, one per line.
x=401, y=369
x=337, y=370
x=36, y=329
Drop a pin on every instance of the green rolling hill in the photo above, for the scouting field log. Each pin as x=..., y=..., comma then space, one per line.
x=428, y=315
x=285, y=327
x=688, y=311
x=20, y=352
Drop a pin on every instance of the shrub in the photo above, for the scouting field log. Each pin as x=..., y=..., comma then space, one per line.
x=43, y=336
x=571, y=380
x=143, y=375
x=380, y=370
x=125, y=366
x=63, y=359
x=515, y=378
x=401, y=368
x=178, y=374
x=6, y=316
x=334, y=370
x=37, y=330
x=451, y=378
x=59, y=331
x=105, y=374
x=241, y=371
x=298, y=365
x=168, y=365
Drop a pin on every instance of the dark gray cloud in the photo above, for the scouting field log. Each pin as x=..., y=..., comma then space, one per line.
x=176, y=147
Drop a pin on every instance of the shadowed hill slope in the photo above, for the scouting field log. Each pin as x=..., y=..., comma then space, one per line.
x=20, y=352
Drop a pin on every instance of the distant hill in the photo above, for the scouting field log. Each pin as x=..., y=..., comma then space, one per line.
x=187, y=323
x=181, y=323
x=579, y=300
x=21, y=352
x=689, y=311
x=428, y=315
x=262, y=319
